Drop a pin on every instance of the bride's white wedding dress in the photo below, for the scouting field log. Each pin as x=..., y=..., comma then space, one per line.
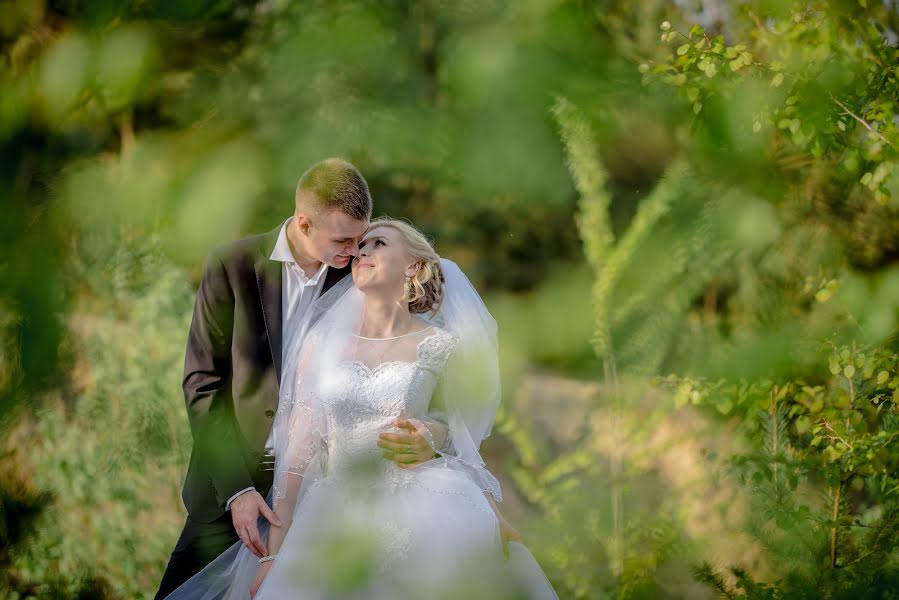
x=357, y=525
x=421, y=532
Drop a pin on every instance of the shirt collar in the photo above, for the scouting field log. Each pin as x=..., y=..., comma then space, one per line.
x=282, y=253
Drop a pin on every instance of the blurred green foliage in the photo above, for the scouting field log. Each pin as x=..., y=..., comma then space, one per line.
x=769, y=239
x=838, y=436
x=725, y=195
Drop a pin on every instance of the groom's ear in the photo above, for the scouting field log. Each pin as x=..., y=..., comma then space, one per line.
x=303, y=223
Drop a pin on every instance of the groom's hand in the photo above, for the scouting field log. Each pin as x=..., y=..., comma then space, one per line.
x=245, y=512
x=408, y=448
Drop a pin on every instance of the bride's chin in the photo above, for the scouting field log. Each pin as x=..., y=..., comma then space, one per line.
x=362, y=283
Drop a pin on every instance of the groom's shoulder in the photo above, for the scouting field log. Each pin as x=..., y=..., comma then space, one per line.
x=244, y=251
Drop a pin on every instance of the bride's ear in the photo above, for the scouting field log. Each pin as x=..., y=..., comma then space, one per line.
x=413, y=268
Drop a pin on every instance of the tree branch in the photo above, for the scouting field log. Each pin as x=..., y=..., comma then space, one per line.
x=864, y=123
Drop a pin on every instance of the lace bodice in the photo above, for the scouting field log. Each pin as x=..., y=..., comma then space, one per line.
x=361, y=401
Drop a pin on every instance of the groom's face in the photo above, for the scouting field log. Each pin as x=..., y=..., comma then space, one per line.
x=334, y=238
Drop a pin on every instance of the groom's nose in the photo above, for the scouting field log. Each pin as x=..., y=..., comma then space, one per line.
x=353, y=249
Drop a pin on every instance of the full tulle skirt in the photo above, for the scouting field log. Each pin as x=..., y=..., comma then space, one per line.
x=425, y=532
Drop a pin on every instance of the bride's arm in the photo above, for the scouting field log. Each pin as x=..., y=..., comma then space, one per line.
x=304, y=444
x=303, y=449
x=435, y=429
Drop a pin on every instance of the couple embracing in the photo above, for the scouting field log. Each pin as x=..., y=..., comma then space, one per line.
x=339, y=379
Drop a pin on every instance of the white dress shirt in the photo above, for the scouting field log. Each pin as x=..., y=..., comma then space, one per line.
x=297, y=293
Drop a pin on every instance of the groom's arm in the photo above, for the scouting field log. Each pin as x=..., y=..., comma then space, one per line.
x=207, y=383
x=422, y=438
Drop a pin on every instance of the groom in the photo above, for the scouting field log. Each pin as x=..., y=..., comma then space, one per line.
x=253, y=293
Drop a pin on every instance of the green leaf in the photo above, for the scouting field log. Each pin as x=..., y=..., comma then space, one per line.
x=724, y=406
x=683, y=49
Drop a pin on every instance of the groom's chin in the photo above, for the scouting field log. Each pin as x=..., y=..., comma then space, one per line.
x=340, y=262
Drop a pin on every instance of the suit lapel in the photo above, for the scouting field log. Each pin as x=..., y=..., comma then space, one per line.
x=268, y=279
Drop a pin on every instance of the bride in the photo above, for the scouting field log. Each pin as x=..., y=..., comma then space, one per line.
x=407, y=338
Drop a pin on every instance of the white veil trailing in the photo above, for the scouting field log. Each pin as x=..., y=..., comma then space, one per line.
x=470, y=389
x=314, y=350
x=300, y=436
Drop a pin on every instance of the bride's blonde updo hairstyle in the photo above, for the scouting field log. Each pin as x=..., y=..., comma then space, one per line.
x=424, y=290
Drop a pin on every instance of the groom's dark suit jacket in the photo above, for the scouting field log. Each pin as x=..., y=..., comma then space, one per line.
x=232, y=370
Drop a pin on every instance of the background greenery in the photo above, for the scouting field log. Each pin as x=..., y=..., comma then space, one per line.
x=684, y=215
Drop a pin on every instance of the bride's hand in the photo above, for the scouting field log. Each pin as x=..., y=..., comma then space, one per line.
x=507, y=534
x=263, y=571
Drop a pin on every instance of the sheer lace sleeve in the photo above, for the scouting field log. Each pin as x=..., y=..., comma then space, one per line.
x=299, y=460
x=435, y=426
x=433, y=353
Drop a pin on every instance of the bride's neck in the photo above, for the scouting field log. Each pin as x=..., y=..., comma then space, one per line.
x=385, y=318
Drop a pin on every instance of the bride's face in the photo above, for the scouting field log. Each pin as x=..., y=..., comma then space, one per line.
x=383, y=262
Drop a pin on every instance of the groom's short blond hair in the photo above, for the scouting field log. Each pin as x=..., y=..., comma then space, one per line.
x=334, y=184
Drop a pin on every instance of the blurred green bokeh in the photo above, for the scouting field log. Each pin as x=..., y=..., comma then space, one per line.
x=684, y=215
